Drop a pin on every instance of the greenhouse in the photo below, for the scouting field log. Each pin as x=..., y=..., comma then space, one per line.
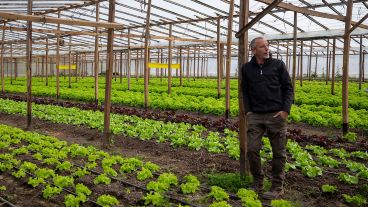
x=184, y=103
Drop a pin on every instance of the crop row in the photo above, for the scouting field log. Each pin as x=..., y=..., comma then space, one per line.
x=77, y=172
x=194, y=137
x=312, y=93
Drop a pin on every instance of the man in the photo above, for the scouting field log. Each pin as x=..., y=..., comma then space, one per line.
x=268, y=95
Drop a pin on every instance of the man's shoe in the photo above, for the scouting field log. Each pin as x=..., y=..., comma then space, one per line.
x=273, y=193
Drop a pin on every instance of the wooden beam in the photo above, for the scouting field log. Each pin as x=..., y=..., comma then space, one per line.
x=43, y=19
x=333, y=66
x=219, y=77
x=345, y=67
x=228, y=58
x=146, y=57
x=257, y=18
x=170, y=62
x=2, y=62
x=294, y=48
x=358, y=23
x=301, y=10
x=109, y=69
x=29, y=66
x=57, y=61
x=242, y=59
x=97, y=53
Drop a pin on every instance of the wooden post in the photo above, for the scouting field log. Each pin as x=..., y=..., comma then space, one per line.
x=315, y=66
x=109, y=69
x=11, y=64
x=15, y=68
x=222, y=48
x=327, y=58
x=29, y=66
x=345, y=76
x=188, y=64
x=2, y=62
x=301, y=63
x=47, y=62
x=170, y=60
x=228, y=58
x=287, y=57
x=136, y=65
x=181, y=65
x=70, y=63
x=97, y=53
x=76, y=66
x=121, y=67
x=310, y=61
x=294, y=48
x=364, y=53
x=333, y=66
x=194, y=62
x=198, y=60
x=42, y=67
x=58, y=59
x=242, y=59
x=146, y=39
x=129, y=60
x=360, y=62
x=278, y=49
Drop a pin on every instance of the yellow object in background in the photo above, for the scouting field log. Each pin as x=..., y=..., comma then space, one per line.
x=66, y=67
x=163, y=65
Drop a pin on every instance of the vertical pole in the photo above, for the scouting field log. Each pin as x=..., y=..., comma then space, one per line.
x=301, y=63
x=129, y=60
x=228, y=58
x=121, y=67
x=137, y=66
x=70, y=62
x=97, y=55
x=198, y=60
x=345, y=76
x=310, y=61
x=360, y=62
x=327, y=58
x=333, y=66
x=15, y=68
x=2, y=62
x=42, y=67
x=76, y=67
x=315, y=66
x=29, y=66
x=170, y=60
x=11, y=63
x=294, y=48
x=287, y=56
x=146, y=39
x=194, y=62
x=242, y=59
x=47, y=62
x=57, y=59
x=188, y=63
x=181, y=65
x=109, y=69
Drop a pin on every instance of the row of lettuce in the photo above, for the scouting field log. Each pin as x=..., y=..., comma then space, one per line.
x=59, y=169
x=313, y=161
x=313, y=102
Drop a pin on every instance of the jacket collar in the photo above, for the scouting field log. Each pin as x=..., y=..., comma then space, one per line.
x=254, y=61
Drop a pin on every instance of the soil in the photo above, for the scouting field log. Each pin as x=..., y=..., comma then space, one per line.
x=181, y=161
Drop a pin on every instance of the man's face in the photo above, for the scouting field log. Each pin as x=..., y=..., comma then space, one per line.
x=261, y=50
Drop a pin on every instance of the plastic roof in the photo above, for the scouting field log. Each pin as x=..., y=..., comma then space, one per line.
x=276, y=25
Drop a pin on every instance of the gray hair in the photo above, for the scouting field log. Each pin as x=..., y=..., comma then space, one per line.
x=253, y=42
